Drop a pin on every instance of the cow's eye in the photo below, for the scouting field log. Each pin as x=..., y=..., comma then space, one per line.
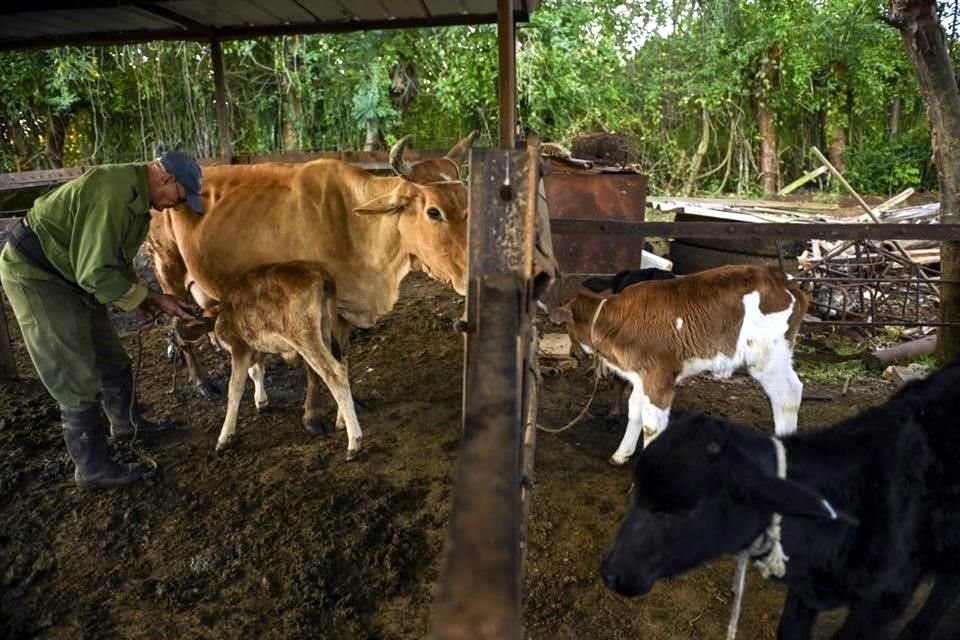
x=435, y=214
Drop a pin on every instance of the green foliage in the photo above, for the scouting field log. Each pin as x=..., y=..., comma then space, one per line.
x=834, y=372
x=649, y=70
x=890, y=167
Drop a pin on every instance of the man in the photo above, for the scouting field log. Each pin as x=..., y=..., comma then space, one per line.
x=70, y=257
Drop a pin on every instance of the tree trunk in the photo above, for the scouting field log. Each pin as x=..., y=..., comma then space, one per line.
x=769, y=168
x=769, y=175
x=923, y=37
x=837, y=145
x=895, y=108
x=56, y=136
x=702, y=148
x=372, y=143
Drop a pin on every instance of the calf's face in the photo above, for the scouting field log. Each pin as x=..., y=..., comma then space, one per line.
x=703, y=489
x=679, y=515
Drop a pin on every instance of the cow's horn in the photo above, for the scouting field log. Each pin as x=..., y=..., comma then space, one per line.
x=459, y=151
x=400, y=167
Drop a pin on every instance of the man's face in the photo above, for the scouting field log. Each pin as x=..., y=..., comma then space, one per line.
x=167, y=192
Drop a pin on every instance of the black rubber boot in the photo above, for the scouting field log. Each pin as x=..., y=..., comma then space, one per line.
x=118, y=400
x=86, y=437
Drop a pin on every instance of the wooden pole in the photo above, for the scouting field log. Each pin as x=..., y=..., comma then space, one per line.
x=882, y=358
x=220, y=94
x=8, y=365
x=507, y=47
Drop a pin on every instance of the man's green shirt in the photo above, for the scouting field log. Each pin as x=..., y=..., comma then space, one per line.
x=90, y=229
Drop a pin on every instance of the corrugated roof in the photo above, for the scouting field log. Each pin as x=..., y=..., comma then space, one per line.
x=28, y=24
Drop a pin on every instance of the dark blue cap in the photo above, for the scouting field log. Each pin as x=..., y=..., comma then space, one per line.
x=187, y=172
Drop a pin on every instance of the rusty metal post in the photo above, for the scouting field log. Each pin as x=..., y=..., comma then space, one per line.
x=220, y=94
x=479, y=593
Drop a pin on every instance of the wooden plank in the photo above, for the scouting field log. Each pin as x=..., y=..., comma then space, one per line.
x=742, y=202
x=40, y=178
x=802, y=180
x=769, y=230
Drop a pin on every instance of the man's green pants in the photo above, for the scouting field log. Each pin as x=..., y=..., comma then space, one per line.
x=69, y=337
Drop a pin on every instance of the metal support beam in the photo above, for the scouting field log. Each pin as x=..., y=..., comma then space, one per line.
x=507, y=47
x=220, y=93
x=772, y=230
x=480, y=584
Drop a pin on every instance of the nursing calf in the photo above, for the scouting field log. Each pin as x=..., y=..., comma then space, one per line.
x=869, y=508
x=290, y=309
x=655, y=333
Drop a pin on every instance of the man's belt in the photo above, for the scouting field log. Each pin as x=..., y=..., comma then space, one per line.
x=27, y=244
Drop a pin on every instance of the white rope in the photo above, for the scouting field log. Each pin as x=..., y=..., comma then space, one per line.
x=597, y=371
x=739, y=580
x=766, y=550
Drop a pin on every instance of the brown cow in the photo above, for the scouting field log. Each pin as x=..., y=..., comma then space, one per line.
x=368, y=232
x=656, y=333
x=290, y=309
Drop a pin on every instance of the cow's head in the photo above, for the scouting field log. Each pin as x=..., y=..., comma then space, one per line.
x=433, y=226
x=704, y=488
x=442, y=169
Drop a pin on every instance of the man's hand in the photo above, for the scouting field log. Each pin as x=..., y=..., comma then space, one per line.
x=156, y=303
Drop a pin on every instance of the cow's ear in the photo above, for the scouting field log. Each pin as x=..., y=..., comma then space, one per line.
x=388, y=203
x=790, y=499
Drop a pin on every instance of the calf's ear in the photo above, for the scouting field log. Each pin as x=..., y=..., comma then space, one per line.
x=792, y=499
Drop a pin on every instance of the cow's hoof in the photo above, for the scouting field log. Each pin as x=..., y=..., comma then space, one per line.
x=317, y=427
x=209, y=391
x=618, y=461
x=263, y=407
x=353, y=452
x=224, y=445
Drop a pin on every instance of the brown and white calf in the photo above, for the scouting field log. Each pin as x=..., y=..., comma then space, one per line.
x=655, y=333
x=291, y=309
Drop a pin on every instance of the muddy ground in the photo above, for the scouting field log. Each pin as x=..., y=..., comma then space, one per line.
x=280, y=537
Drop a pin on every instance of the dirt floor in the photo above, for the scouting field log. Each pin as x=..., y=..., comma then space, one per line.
x=280, y=537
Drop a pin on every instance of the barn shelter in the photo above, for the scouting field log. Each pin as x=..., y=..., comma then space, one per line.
x=479, y=591
x=33, y=25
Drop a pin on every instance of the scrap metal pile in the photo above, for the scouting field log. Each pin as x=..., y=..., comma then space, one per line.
x=864, y=282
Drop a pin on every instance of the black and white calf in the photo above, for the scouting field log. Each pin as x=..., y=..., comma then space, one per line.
x=707, y=487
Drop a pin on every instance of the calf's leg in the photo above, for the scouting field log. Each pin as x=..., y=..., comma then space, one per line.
x=240, y=358
x=334, y=374
x=868, y=618
x=313, y=422
x=796, y=621
x=256, y=372
x=782, y=386
x=660, y=385
x=648, y=411
x=620, y=387
x=946, y=589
